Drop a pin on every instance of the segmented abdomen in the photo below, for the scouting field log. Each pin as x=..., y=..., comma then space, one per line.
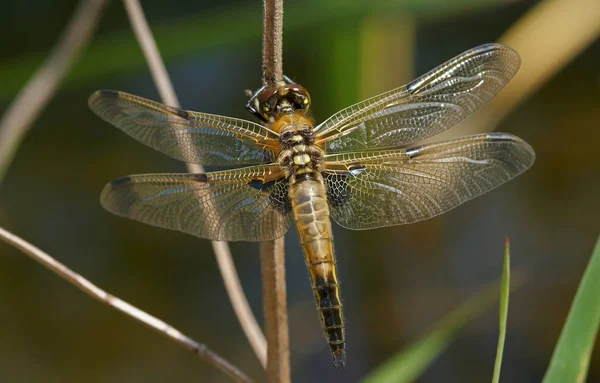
x=309, y=203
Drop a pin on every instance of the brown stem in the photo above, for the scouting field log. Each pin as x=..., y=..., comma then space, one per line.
x=100, y=295
x=272, y=254
x=272, y=42
x=221, y=249
x=272, y=257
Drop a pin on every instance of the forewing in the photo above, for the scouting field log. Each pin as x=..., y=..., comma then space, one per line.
x=375, y=189
x=429, y=105
x=247, y=204
x=194, y=137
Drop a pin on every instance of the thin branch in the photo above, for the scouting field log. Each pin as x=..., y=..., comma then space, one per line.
x=157, y=66
x=272, y=254
x=100, y=295
x=221, y=249
x=38, y=91
x=272, y=42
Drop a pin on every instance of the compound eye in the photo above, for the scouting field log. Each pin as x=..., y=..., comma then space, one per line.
x=301, y=102
x=267, y=101
x=273, y=101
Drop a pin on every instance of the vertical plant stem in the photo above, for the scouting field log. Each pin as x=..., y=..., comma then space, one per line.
x=272, y=257
x=272, y=41
x=221, y=249
x=272, y=254
x=39, y=90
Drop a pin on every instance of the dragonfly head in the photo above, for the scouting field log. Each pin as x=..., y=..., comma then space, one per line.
x=270, y=103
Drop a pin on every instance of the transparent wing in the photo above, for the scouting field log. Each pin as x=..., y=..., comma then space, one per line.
x=434, y=102
x=194, y=137
x=374, y=189
x=247, y=204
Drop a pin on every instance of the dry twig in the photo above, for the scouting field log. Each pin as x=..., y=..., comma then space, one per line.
x=100, y=295
x=221, y=249
x=38, y=91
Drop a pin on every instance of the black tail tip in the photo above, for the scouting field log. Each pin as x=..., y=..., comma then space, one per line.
x=339, y=357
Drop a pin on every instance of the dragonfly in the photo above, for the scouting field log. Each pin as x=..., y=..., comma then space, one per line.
x=362, y=167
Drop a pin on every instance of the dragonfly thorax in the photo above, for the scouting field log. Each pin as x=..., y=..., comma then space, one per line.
x=298, y=153
x=293, y=135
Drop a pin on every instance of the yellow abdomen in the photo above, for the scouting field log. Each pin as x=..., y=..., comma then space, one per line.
x=311, y=212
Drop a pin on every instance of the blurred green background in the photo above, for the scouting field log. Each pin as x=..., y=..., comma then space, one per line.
x=396, y=282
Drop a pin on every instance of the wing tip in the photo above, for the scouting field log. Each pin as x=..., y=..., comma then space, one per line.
x=114, y=191
x=495, y=47
x=510, y=55
x=527, y=150
x=102, y=94
x=507, y=56
x=120, y=180
x=100, y=103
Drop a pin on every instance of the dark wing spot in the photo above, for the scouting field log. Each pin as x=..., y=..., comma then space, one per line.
x=259, y=184
x=277, y=195
x=356, y=170
x=181, y=113
x=413, y=86
x=414, y=152
x=256, y=184
x=120, y=180
x=108, y=93
x=201, y=177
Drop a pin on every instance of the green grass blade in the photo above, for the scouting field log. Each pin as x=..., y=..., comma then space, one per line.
x=571, y=357
x=504, y=293
x=411, y=363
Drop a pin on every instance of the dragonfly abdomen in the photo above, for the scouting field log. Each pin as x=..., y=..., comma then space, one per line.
x=311, y=212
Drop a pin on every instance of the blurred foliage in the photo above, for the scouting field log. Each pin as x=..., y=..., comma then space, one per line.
x=571, y=359
x=217, y=28
x=406, y=366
